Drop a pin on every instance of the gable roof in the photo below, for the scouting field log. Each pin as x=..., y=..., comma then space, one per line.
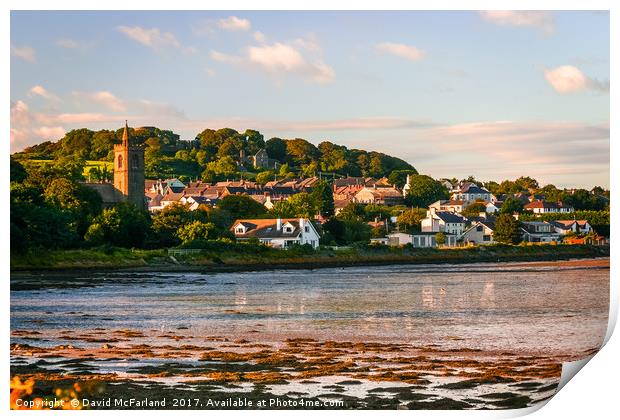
x=450, y=217
x=267, y=228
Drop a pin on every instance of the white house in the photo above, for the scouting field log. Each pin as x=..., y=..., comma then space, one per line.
x=564, y=227
x=471, y=192
x=480, y=232
x=541, y=207
x=539, y=232
x=491, y=207
x=454, y=206
x=443, y=221
x=417, y=240
x=278, y=233
x=194, y=201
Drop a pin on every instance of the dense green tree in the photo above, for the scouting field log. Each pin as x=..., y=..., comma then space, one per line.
x=122, y=225
x=195, y=231
x=399, y=177
x=276, y=149
x=102, y=143
x=440, y=238
x=18, y=172
x=77, y=143
x=507, y=229
x=323, y=199
x=410, y=219
x=424, y=190
x=474, y=209
x=300, y=152
x=264, y=177
x=254, y=141
x=511, y=205
x=242, y=207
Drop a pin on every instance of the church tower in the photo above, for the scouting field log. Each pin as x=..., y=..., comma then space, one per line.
x=129, y=170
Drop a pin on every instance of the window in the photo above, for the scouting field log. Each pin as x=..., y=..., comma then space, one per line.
x=486, y=238
x=239, y=229
x=479, y=228
x=120, y=161
x=307, y=229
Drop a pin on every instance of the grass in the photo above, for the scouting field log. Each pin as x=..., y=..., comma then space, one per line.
x=234, y=257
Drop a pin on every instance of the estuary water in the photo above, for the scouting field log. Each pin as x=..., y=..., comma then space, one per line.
x=529, y=308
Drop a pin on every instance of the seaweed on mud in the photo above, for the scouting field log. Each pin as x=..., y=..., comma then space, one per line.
x=439, y=404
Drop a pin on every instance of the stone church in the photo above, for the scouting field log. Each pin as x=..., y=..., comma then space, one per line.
x=128, y=175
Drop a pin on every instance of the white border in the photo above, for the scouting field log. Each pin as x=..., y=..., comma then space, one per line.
x=592, y=394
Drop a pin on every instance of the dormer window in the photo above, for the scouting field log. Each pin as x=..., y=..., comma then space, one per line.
x=240, y=229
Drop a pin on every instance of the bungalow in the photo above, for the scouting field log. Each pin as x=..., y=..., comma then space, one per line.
x=443, y=221
x=480, y=232
x=417, y=240
x=541, y=207
x=278, y=233
x=539, y=232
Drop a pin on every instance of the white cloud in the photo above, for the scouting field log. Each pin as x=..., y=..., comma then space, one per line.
x=281, y=59
x=569, y=79
x=104, y=98
x=532, y=18
x=154, y=38
x=233, y=23
x=259, y=37
x=20, y=113
x=50, y=133
x=26, y=53
x=72, y=44
x=39, y=90
x=408, y=52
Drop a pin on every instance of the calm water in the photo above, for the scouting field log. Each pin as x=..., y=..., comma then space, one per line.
x=486, y=306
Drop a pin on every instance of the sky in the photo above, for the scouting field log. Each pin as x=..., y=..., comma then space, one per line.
x=493, y=94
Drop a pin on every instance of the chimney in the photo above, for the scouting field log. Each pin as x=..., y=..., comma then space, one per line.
x=482, y=214
x=278, y=224
x=301, y=223
x=433, y=210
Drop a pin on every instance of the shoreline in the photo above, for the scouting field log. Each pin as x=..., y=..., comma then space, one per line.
x=212, y=262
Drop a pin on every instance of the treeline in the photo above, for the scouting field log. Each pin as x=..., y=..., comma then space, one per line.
x=215, y=154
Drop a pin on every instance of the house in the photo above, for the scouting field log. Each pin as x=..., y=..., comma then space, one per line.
x=564, y=227
x=260, y=159
x=443, y=221
x=195, y=201
x=480, y=232
x=541, y=207
x=389, y=196
x=454, y=206
x=278, y=233
x=492, y=207
x=539, y=232
x=417, y=240
x=153, y=201
x=469, y=192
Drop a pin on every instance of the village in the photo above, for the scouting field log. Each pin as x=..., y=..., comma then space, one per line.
x=443, y=219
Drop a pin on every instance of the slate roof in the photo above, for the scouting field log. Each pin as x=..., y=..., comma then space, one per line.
x=450, y=217
x=266, y=228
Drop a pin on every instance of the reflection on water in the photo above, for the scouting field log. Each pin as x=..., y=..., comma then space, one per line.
x=483, y=306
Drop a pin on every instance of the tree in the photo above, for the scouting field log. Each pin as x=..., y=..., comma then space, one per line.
x=399, y=177
x=300, y=151
x=276, y=149
x=242, y=207
x=507, y=229
x=440, y=238
x=424, y=191
x=410, y=219
x=195, y=230
x=18, y=172
x=474, y=209
x=102, y=142
x=77, y=143
x=323, y=198
x=264, y=177
x=511, y=205
x=122, y=225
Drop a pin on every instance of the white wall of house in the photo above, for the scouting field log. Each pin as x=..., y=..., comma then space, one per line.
x=478, y=234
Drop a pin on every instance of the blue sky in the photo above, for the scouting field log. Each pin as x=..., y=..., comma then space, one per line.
x=492, y=94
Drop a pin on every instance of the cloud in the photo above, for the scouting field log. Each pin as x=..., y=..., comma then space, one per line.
x=26, y=53
x=300, y=57
x=233, y=23
x=39, y=90
x=259, y=37
x=104, y=98
x=72, y=44
x=569, y=79
x=527, y=18
x=408, y=52
x=154, y=38
x=50, y=133
x=20, y=113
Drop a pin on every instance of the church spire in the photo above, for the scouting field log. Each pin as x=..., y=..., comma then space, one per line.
x=126, y=135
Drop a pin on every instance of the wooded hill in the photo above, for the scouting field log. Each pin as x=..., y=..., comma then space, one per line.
x=215, y=154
